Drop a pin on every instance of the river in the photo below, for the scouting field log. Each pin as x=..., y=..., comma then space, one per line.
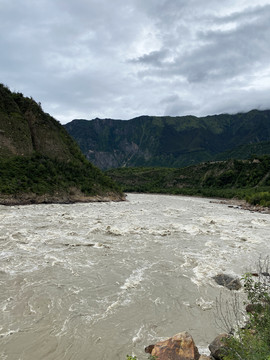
x=101, y=280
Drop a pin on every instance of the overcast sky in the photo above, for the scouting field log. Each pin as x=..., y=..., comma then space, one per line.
x=124, y=58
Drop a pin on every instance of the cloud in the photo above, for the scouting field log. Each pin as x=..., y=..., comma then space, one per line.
x=154, y=58
x=102, y=58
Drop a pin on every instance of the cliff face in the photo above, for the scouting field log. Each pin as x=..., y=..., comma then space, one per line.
x=172, y=141
x=40, y=162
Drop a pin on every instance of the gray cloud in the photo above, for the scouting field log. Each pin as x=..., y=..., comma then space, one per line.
x=88, y=58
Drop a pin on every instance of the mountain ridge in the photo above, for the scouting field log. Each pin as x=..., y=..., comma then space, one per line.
x=169, y=141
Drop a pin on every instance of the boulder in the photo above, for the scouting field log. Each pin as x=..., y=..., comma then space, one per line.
x=228, y=281
x=179, y=347
x=217, y=346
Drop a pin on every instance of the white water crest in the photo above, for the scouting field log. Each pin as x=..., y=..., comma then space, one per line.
x=102, y=280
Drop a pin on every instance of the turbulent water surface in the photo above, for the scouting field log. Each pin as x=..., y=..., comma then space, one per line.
x=102, y=280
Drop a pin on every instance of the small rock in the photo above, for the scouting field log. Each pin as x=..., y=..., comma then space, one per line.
x=149, y=349
x=227, y=281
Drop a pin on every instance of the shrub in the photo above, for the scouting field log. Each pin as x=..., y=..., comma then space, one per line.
x=252, y=342
x=260, y=198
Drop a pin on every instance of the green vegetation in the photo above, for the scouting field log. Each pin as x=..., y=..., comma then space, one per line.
x=40, y=174
x=261, y=198
x=242, y=179
x=252, y=342
x=26, y=129
x=150, y=141
x=38, y=157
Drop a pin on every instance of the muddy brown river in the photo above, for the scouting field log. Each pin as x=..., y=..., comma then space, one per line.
x=102, y=280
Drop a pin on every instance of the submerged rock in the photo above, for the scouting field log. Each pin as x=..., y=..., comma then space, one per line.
x=179, y=347
x=228, y=281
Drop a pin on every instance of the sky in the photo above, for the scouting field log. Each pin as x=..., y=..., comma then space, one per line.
x=120, y=59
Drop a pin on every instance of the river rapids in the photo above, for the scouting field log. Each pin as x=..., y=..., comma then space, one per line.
x=101, y=280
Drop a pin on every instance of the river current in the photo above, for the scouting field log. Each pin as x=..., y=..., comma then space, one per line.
x=102, y=280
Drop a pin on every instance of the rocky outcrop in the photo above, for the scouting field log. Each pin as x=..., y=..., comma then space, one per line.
x=228, y=281
x=179, y=347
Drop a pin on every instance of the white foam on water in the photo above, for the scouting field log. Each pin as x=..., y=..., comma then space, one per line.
x=161, y=232
x=112, y=306
x=99, y=245
x=158, y=301
x=53, y=259
x=9, y=333
x=114, y=231
x=63, y=329
x=134, y=279
x=139, y=337
x=203, y=350
x=133, y=263
x=204, y=304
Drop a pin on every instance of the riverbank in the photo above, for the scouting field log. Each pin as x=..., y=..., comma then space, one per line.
x=232, y=179
x=242, y=204
x=63, y=198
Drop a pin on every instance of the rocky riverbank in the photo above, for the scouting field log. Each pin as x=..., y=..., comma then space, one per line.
x=182, y=347
x=58, y=198
x=242, y=204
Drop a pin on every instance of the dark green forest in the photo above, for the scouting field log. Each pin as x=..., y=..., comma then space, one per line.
x=40, y=174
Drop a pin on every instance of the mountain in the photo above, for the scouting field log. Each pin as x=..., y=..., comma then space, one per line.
x=172, y=141
x=40, y=162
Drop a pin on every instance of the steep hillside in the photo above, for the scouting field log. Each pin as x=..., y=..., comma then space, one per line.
x=40, y=162
x=243, y=179
x=171, y=141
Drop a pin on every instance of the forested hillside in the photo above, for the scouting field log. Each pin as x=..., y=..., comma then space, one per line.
x=39, y=161
x=242, y=179
x=172, y=141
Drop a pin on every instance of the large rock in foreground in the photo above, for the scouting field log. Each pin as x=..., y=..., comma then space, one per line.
x=179, y=347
